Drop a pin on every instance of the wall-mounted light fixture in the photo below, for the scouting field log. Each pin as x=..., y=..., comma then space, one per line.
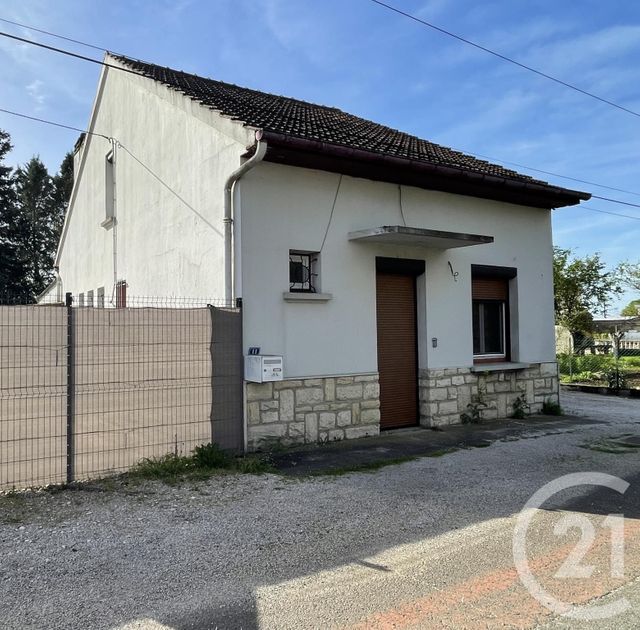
x=455, y=274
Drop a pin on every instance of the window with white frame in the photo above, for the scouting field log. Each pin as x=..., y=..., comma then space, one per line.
x=303, y=271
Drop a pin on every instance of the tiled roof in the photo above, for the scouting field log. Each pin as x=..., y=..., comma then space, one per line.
x=292, y=117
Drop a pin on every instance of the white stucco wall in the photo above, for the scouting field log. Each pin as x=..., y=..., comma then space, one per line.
x=169, y=232
x=169, y=238
x=287, y=208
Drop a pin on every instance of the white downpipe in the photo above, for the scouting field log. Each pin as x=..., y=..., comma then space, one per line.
x=261, y=149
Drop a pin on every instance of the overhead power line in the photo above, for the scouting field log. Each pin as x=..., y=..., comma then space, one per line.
x=540, y=73
x=93, y=133
x=40, y=30
x=55, y=124
x=539, y=170
x=130, y=71
x=614, y=214
x=68, y=53
x=624, y=203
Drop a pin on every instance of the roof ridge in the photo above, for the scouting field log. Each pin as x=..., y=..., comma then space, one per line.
x=130, y=60
x=324, y=124
x=381, y=127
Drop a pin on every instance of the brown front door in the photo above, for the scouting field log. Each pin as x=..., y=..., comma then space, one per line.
x=397, y=350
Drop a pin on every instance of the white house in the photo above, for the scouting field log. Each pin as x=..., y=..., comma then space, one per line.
x=396, y=278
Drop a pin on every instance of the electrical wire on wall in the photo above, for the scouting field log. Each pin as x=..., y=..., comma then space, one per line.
x=333, y=207
x=404, y=221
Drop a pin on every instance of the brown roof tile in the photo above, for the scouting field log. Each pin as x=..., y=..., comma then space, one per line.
x=293, y=117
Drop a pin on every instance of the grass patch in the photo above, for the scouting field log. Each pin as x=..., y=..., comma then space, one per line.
x=205, y=461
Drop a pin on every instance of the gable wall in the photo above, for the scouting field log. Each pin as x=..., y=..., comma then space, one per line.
x=288, y=208
x=169, y=233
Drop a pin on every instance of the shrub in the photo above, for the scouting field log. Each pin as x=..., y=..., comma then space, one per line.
x=473, y=415
x=166, y=467
x=551, y=408
x=253, y=465
x=571, y=364
x=520, y=408
x=582, y=377
x=204, y=461
x=630, y=362
x=615, y=378
x=211, y=456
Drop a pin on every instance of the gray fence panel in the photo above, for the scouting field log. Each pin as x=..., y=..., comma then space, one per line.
x=33, y=368
x=141, y=385
x=227, y=379
x=145, y=382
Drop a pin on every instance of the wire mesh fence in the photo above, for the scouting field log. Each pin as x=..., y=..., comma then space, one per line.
x=608, y=363
x=86, y=391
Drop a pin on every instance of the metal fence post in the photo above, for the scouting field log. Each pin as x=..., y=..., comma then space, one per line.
x=212, y=358
x=70, y=388
x=617, y=336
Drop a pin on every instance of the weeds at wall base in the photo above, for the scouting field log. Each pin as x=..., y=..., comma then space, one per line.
x=551, y=408
x=205, y=461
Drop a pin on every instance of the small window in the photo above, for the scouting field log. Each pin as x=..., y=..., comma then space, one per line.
x=303, y=274
x=90, y=298
x=490, y=318
x=81, y=299
x=100, y=296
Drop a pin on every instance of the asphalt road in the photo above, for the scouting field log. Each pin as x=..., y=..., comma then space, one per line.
x=425, y=544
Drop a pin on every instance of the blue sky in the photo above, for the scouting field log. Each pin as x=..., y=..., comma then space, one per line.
x=368, y=61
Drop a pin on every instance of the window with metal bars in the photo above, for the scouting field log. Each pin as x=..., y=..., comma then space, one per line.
x=303, y=271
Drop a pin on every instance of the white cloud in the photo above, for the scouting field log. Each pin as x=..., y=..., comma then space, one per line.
x=432, y=8
x=37, y=95
x=586, y=52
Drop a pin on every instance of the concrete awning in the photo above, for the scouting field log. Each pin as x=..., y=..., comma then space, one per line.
x=418, y=237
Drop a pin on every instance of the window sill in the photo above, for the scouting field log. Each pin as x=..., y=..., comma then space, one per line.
x=306, y=297
x=108, y=223
x=503, y=366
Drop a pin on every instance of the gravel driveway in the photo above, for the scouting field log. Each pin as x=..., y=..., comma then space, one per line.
x=268, y=552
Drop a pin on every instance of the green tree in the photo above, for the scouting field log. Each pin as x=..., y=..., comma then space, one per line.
x=630, y=274
x=32, y=209
x=632, y=309
x=36, y=223
x=13, y=269
x=582, y=286
x=63, y=183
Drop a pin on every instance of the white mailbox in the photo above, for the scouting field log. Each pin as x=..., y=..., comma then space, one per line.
x=263, y=368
